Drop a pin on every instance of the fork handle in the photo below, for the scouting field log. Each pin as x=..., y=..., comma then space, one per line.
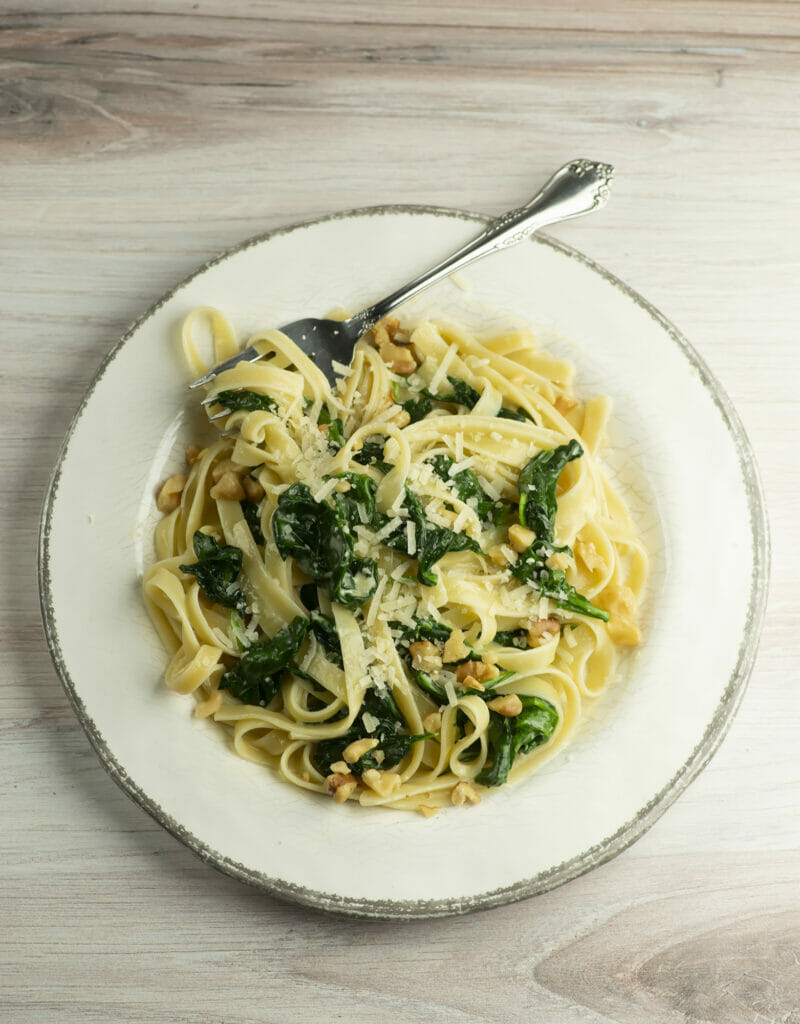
x=577, y=188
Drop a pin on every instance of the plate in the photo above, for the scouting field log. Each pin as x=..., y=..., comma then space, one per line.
x=679, y=454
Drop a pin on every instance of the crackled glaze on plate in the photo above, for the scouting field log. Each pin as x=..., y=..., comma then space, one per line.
x=679, y=453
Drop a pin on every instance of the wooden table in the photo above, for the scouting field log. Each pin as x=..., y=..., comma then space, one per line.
x=135, y=145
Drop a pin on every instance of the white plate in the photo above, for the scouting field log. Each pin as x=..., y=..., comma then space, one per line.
x=681, y=457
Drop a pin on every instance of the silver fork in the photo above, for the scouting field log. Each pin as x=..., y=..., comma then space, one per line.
x=577, y=188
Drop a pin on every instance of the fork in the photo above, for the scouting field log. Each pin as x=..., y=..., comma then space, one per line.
x=576, y=188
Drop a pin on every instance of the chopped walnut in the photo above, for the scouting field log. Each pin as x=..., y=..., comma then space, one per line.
x=565, y=404
x=340, y=767
x=169, y=497
x=341, y=786
x=401, y=418
x=357, y=749
x=382, y=783
x=229, y=487
x=471, y=683
x=427, y=811
x=520, y=537
x=193, y=453
x=386, y=339
x=508, y=705
x=341, y=486
x=479, y=670
x=463, y=793
x=540, y=627
x=425, y=656
x=226, y=466
x=253, y=489
x=455, y=649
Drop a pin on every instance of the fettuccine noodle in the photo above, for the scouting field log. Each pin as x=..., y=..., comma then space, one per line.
x=405, y=590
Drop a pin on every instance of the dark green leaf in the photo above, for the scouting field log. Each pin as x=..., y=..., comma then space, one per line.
x=355, y=582
x=518, y=414
x=467, y=486
x=216, y=570
x=256, y=676
x=310, y=531
x=432, y=542
x=250, y=509
x=249, y=401
x=358, y=504
x=324, y=629
x=520, y=735
x=462, y=394
x=371, y=452
x=512, y=638
x=394, y=744
x=537, y=488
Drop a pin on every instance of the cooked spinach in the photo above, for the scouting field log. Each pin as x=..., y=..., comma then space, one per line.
x=324, y=629
x=335, y=429
x=392, y=742
x=537, y=511
x=319, y=537
x=216, y=570
x=253, y=519
x=468, y=488
x=358, y=503
x=511, y=736
x=462, y=394
x=256, y=676
x=512, y=638
x=537, y=488
x=310, y=531
x=249, y=401
x=432, y=542
x=371, y=454
x=519, y=414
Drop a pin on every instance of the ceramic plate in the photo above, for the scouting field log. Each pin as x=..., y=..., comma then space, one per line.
x=680, y=457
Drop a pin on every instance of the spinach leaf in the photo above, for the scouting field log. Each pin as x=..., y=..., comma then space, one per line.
x=253, y=519
x=417, y=408
x=462, y=394
x=432, y=542
x=372, y=454
x=531, y=568
x=324, y=629
x=216, y=570
x=358, y=503
x=424, y=628
x=310, y=531
x=537, y=510
x=519, y=414
x=335, y=429
x=250, y=401
x=467, y=486
x=355, y=582
x=511, y=736
x=537, y=488
x=256, y=676
x=512, y=638
x=394, y=744
x=318, y=536
x=309, y=596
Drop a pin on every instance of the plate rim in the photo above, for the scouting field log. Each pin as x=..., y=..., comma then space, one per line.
x=557, y=875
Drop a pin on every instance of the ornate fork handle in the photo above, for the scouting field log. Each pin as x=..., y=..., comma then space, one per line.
x=577, y=188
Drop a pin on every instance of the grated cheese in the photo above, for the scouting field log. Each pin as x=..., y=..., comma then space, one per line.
x=327, y=488
x=459, y=446
x=441, y=371
x=411, y=531
x=390, y=527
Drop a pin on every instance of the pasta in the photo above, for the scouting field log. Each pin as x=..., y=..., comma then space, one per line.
x=404, y=590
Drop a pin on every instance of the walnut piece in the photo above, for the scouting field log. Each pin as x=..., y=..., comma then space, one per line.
x=520, y=537
x=455, y=649
x=508, y=705
x=425, y=656
x=463, y=793
x=229, y=487
x=169, y=497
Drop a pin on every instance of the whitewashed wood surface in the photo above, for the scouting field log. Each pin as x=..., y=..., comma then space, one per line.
x=133, y=146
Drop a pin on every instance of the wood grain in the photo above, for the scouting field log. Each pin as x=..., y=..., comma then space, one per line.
x=138, y=140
